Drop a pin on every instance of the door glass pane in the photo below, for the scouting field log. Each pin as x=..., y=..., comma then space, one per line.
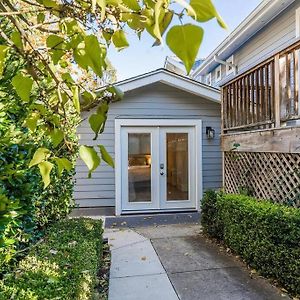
x=177, y=167
x=139, y=167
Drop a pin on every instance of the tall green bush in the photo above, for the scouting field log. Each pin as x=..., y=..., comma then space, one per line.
x=265, y=234
x=25, y=206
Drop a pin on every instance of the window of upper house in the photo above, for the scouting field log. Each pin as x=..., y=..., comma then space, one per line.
x=298, y=22
x=229, y=69
x=218, y=73
x=208, y=79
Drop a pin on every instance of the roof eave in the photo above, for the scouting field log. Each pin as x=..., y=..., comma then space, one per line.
x=244, y=28
x=172, y=79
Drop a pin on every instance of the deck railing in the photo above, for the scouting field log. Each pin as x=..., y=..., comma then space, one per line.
x=265, y=96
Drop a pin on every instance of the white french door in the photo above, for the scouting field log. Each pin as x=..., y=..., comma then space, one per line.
x=158, y=168
x=177, y=167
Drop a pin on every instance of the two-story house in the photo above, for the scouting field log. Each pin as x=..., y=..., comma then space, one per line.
x=257, y=70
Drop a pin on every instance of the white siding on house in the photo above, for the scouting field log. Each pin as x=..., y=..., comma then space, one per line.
x=155, y=101
x=275, y=36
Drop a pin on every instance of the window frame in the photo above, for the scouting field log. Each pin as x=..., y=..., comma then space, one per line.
x=208, y=79
x=230, y=60
x=218, y=78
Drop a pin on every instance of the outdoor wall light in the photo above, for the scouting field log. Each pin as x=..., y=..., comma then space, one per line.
x=210, y=133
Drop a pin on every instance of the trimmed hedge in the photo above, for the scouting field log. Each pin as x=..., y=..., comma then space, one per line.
x=62, y=266
x=265, y=234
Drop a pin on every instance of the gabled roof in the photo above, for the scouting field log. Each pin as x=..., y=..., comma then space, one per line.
x=172, y=79
x=264, y=13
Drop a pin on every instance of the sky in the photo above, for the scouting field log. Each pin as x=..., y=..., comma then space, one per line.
x=141, y=57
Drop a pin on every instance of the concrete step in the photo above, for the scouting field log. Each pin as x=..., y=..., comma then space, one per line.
x=142, y=220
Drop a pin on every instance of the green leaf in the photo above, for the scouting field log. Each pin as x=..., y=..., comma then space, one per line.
x=106, y=156
x=88, y=97
x=96, y=122
x=56, y=55
x=31, y=121
x=132, y=4
x=57, y=136
x=102, y=5
x=134, y=21
x=113, y=2
x=107, y=35
x=185, y=41
x=164, y=25
x=76, y=98
x=149, y=3
x=39, y=156
x=67, y=78
x=90, y=157
x=3, y=51
x=103, y=109
x=117, y=93
x=50, y=3
x=57, y=46
x=45, y=169
x=80, y=56
x=205, y=11
x=23, y=85
x=40, y=18
x=94, y=54
x=158, y=9
x=119, y=40
x=55, y=42
x=16, y=38
x=63, y=164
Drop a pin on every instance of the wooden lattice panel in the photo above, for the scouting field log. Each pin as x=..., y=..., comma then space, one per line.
x=266, y=175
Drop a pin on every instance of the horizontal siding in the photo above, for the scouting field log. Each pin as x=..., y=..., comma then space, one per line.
x=158, y=101
x=95, y=202
x=274, y=37
x=277, y=35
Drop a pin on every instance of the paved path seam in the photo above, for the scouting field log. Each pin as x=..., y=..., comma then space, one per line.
x=138, y=275
x=165, y=270
x=136, y=269
x=208, y=269
x=127, y=245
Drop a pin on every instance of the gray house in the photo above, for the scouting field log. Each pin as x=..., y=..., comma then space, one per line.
x=257, y=68
x=270, y=28
x=164, y=137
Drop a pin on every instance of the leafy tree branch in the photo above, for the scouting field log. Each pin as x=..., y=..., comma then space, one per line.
x=64, y=46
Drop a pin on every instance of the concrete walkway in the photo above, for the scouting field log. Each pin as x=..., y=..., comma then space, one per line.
x=177, y=262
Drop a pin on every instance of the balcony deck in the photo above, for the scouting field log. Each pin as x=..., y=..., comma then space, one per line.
x=260, y=108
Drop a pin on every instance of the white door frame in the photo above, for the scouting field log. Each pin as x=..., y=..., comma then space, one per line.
x=119, y=123
x=177, y=204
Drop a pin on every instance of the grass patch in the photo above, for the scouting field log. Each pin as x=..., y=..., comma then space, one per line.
x=64, y=265
x=265, y=234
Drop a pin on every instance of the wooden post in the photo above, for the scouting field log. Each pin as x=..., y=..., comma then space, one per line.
x=223, y=92
x=296, y=85
x=277, y=91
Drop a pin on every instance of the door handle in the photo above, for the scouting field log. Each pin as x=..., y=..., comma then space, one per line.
x=162, y=173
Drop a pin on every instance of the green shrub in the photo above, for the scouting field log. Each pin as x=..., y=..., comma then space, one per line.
x=265, y=234
x=26, y=208
x=63, y=266
x=209, y=218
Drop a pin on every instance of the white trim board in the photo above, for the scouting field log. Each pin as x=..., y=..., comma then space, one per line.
x=298, y=23
x=119, y=123
x=171, y=79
